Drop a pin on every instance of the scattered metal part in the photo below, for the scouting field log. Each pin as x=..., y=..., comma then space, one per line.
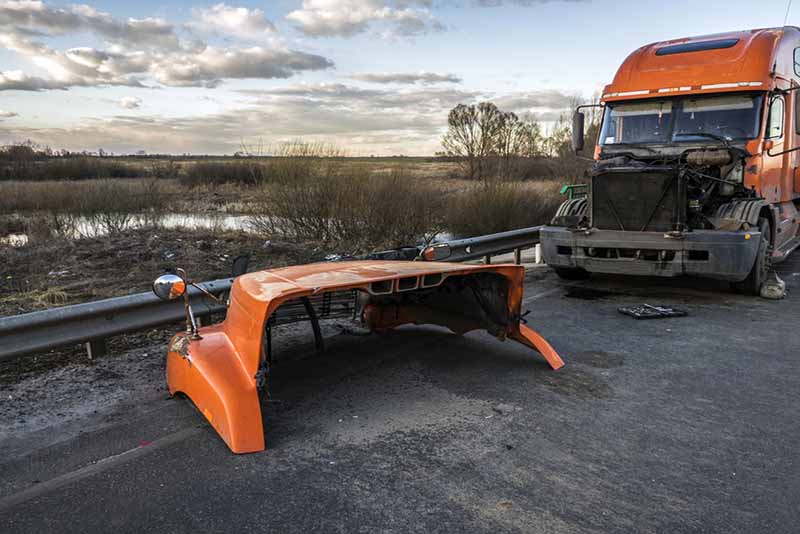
x=646, y=311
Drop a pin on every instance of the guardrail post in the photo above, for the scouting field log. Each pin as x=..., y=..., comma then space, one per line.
x=518, y=256
x=96, y=348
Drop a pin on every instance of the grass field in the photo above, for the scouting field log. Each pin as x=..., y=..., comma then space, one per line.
x=353, y=203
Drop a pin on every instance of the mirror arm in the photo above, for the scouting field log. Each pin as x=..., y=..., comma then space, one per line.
x=191, y=322
x=785, y=91
x=207, y=293
x=770, y=154
x=203, y=290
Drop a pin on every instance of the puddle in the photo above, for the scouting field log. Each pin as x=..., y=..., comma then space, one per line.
x=88, y=227
x=83, y=227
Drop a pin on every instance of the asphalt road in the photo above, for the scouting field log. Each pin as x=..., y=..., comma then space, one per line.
x=664, y=426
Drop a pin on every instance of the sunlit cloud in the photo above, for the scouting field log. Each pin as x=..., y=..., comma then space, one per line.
x=345, y=18
x=378, y=120
x=238, y=22
x=130, y=102
x=408, y=78
x=140, y=52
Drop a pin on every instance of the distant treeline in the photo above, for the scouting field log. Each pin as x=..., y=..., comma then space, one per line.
x=490, y=142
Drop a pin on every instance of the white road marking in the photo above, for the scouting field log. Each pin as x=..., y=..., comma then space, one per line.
x=92, y=469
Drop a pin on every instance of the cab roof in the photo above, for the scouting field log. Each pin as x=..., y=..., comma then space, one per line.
x=733, y=61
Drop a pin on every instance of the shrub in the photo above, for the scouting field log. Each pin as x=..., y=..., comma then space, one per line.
x=217, y=172
x=352, y=211
x=496, y=206
x=69, y=168
x=164, y=170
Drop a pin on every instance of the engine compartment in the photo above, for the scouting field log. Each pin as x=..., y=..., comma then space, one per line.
x=666, y=193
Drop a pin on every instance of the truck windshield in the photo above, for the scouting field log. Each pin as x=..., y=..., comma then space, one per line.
x=730, y=117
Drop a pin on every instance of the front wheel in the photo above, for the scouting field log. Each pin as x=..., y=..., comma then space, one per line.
x=758, y=274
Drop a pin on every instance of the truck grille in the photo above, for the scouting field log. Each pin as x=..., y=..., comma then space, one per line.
x=636, y=201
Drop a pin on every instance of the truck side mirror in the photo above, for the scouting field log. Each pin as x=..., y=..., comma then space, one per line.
x=578, y=120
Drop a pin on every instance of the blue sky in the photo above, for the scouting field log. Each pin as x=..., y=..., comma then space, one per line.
x=372, y=76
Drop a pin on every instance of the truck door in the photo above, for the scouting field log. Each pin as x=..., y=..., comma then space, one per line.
x=793, y=190
x=778, y=170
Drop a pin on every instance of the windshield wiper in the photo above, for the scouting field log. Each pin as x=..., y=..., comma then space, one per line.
x=720, y=138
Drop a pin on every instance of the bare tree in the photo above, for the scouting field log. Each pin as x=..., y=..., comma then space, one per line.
x=532, y=137
x=485, y=139
x=511, y=138
x=472, y=135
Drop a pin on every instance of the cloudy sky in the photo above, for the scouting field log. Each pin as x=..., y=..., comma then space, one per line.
x=373, y=76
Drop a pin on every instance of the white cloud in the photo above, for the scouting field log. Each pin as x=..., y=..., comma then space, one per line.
x=18, y=80
x=377, y=120
x=345, y=18
x=532, y=100
x=130, y=102
x=36, y=18
x=7, y=114
x=138, y=50
x=425, y=78
x=210, y=66
x=232, y=21
x=380, y=121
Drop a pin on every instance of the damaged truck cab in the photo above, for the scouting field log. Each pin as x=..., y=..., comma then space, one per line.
x=696, y=164
x=222, y=367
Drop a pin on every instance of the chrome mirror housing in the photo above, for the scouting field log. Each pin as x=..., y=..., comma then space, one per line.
x=173, y=286
x=169, y=287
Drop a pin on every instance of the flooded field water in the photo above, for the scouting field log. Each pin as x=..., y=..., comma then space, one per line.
x=81, y=227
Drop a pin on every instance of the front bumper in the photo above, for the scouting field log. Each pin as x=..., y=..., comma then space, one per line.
x=707, y=253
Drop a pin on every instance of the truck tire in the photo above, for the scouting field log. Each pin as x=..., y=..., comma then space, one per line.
x=758, y=274
x=572, y=273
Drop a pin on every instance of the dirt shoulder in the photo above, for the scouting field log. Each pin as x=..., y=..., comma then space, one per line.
x=60, y=272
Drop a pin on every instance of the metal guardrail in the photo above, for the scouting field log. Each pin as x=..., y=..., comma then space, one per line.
x=93, y=322
x=485, y=247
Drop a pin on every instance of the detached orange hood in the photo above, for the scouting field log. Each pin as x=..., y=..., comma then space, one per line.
x=219, y=371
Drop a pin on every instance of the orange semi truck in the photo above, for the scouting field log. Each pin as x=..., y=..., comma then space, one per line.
x=697, y=164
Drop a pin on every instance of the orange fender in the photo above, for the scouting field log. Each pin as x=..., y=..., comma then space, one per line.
x=227, y=397
x=532, y=338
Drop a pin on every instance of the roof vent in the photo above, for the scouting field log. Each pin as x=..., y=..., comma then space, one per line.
x=698, y=46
